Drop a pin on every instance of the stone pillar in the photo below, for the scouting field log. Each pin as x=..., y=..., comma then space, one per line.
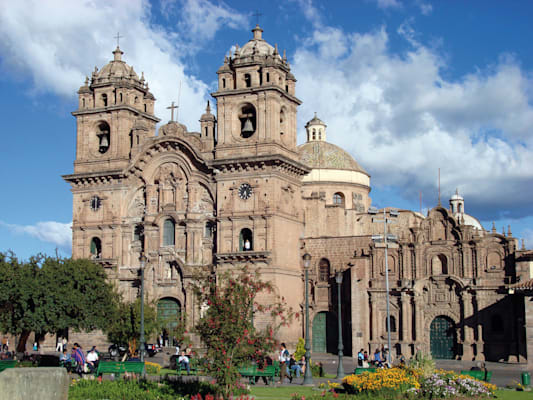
x=419, y=329
x=468, y=353
x=479, y=327
x=404, y=314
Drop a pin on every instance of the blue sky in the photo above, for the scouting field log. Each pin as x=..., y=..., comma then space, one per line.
x=406, y=86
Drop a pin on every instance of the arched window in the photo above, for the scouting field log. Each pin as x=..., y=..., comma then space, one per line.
x=205, y=131
x=392, y=323
x=247, y=80
x=314, y=134
x=496, y=324
x=460, y=208
x=282, y=121
x=209, y=229
x=96, y=247
x=223, y=83
x=120, y=97
x=103, y=137
x=83, y=103
x=246, y=240
x=323, y=270
x=145, y=108
x=104, y=99
x=338, y=199
x=268, y=76
x=169, y=230
x=248, y=120
x=287, y=88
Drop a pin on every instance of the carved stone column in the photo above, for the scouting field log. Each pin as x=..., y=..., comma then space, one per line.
x=404, y=314
x=468, y=326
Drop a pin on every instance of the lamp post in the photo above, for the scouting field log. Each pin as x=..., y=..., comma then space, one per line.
x=143, y=263
x=385, y=237
x=340, y=367
x=308, y=375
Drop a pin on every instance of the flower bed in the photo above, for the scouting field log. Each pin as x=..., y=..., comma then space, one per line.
x=412, y=383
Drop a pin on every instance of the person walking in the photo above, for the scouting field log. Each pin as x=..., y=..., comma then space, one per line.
x=59, y=346
x=284, y=358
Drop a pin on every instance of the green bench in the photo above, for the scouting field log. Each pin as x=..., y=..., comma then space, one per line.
x=5, y=364
x=119, y=368
x=479, y=375
x=359, y=371
x=251, y=372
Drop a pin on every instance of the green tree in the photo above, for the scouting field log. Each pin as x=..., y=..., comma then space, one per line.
x=125, y=326
x=226, y=328
x=47, y=295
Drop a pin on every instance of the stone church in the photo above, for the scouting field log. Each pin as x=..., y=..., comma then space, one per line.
x=241, y=191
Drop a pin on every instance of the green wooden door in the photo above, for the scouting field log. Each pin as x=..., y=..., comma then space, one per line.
x=442, y=338
x=168, y=310
x=319, y=333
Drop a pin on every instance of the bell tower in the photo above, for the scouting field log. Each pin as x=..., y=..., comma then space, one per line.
x=113, y=105
x=257, y=169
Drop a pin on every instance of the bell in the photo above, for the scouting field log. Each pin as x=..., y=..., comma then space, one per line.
x=248, y=128
x=104, y=141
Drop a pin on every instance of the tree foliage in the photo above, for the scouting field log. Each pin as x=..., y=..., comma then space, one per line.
x=47, y=295
x=226, y=327
x=125, y=326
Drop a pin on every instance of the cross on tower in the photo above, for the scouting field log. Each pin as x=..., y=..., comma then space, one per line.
x=118, y=38
x=257, y=14
x=171, y=108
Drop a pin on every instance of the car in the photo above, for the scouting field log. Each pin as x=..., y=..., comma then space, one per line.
x=151, y=349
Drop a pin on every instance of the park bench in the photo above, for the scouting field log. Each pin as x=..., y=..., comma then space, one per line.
x=359, y=371
x=479, y=375
x=251, y=372
x=119, y=368
x=193, y=367
x=5, y=364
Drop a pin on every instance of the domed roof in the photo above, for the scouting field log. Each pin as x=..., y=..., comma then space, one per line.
x=257, y=46
x=324, y=155
x=116, y=69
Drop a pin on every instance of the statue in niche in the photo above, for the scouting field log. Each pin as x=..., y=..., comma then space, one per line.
x=168, y=180
x=168, y=271
x=137, y=205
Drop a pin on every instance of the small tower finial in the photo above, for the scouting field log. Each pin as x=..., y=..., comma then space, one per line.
x=509, y=233
x=493, y=227
x=117, y=54
x=208, y=108
x=257, y=31
x=523, y=245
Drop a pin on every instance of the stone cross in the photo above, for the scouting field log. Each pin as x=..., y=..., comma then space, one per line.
x=118, y=38
x=171, y=108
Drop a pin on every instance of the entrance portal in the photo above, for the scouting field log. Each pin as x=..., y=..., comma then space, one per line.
x=443, y=339
x=325, y=333
x=168, y=310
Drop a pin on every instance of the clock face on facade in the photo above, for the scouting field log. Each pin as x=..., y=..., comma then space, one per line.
x=95, y=203
x=245, y=191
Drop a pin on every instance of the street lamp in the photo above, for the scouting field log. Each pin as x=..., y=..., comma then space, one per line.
x=308, y=375
x=386, y=237
x=340, y=368
x=143, y=263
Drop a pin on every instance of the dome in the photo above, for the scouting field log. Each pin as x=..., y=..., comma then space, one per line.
x=324, y=155
x=257, y=46
x=116, y=69
x=471, y=221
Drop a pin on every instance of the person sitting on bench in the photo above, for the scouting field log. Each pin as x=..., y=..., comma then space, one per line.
x=183, y=362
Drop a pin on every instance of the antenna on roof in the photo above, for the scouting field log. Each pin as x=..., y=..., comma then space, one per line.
x=179, y=96
x=439, y=189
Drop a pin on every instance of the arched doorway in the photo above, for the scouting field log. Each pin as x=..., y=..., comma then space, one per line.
x=168, y=311
x=325, y=333
x=443, y=338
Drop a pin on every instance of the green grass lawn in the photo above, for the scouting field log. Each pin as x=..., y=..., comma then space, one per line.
x=283, y=393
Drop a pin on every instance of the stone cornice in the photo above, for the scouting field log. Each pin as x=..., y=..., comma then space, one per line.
x=94, y=178
x=256, y=89
x=246, y=256
x=115, y=108
x=255, y=163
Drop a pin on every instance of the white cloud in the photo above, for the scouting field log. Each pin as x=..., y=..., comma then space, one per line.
x=386, y=4
x=403, y=119
x=58, y=43
x=425, y=8
x=58, y=233
x=200, y=19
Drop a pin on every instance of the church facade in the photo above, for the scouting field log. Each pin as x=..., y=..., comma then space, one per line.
x=242, y=192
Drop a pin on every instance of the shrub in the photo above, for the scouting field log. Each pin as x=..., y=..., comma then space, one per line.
x=152, y=368
x=300, y=349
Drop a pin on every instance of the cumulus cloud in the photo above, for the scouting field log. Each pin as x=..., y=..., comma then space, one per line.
x=58, y=59
x=201, y=19
x=402, y=118
x=57, y=233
